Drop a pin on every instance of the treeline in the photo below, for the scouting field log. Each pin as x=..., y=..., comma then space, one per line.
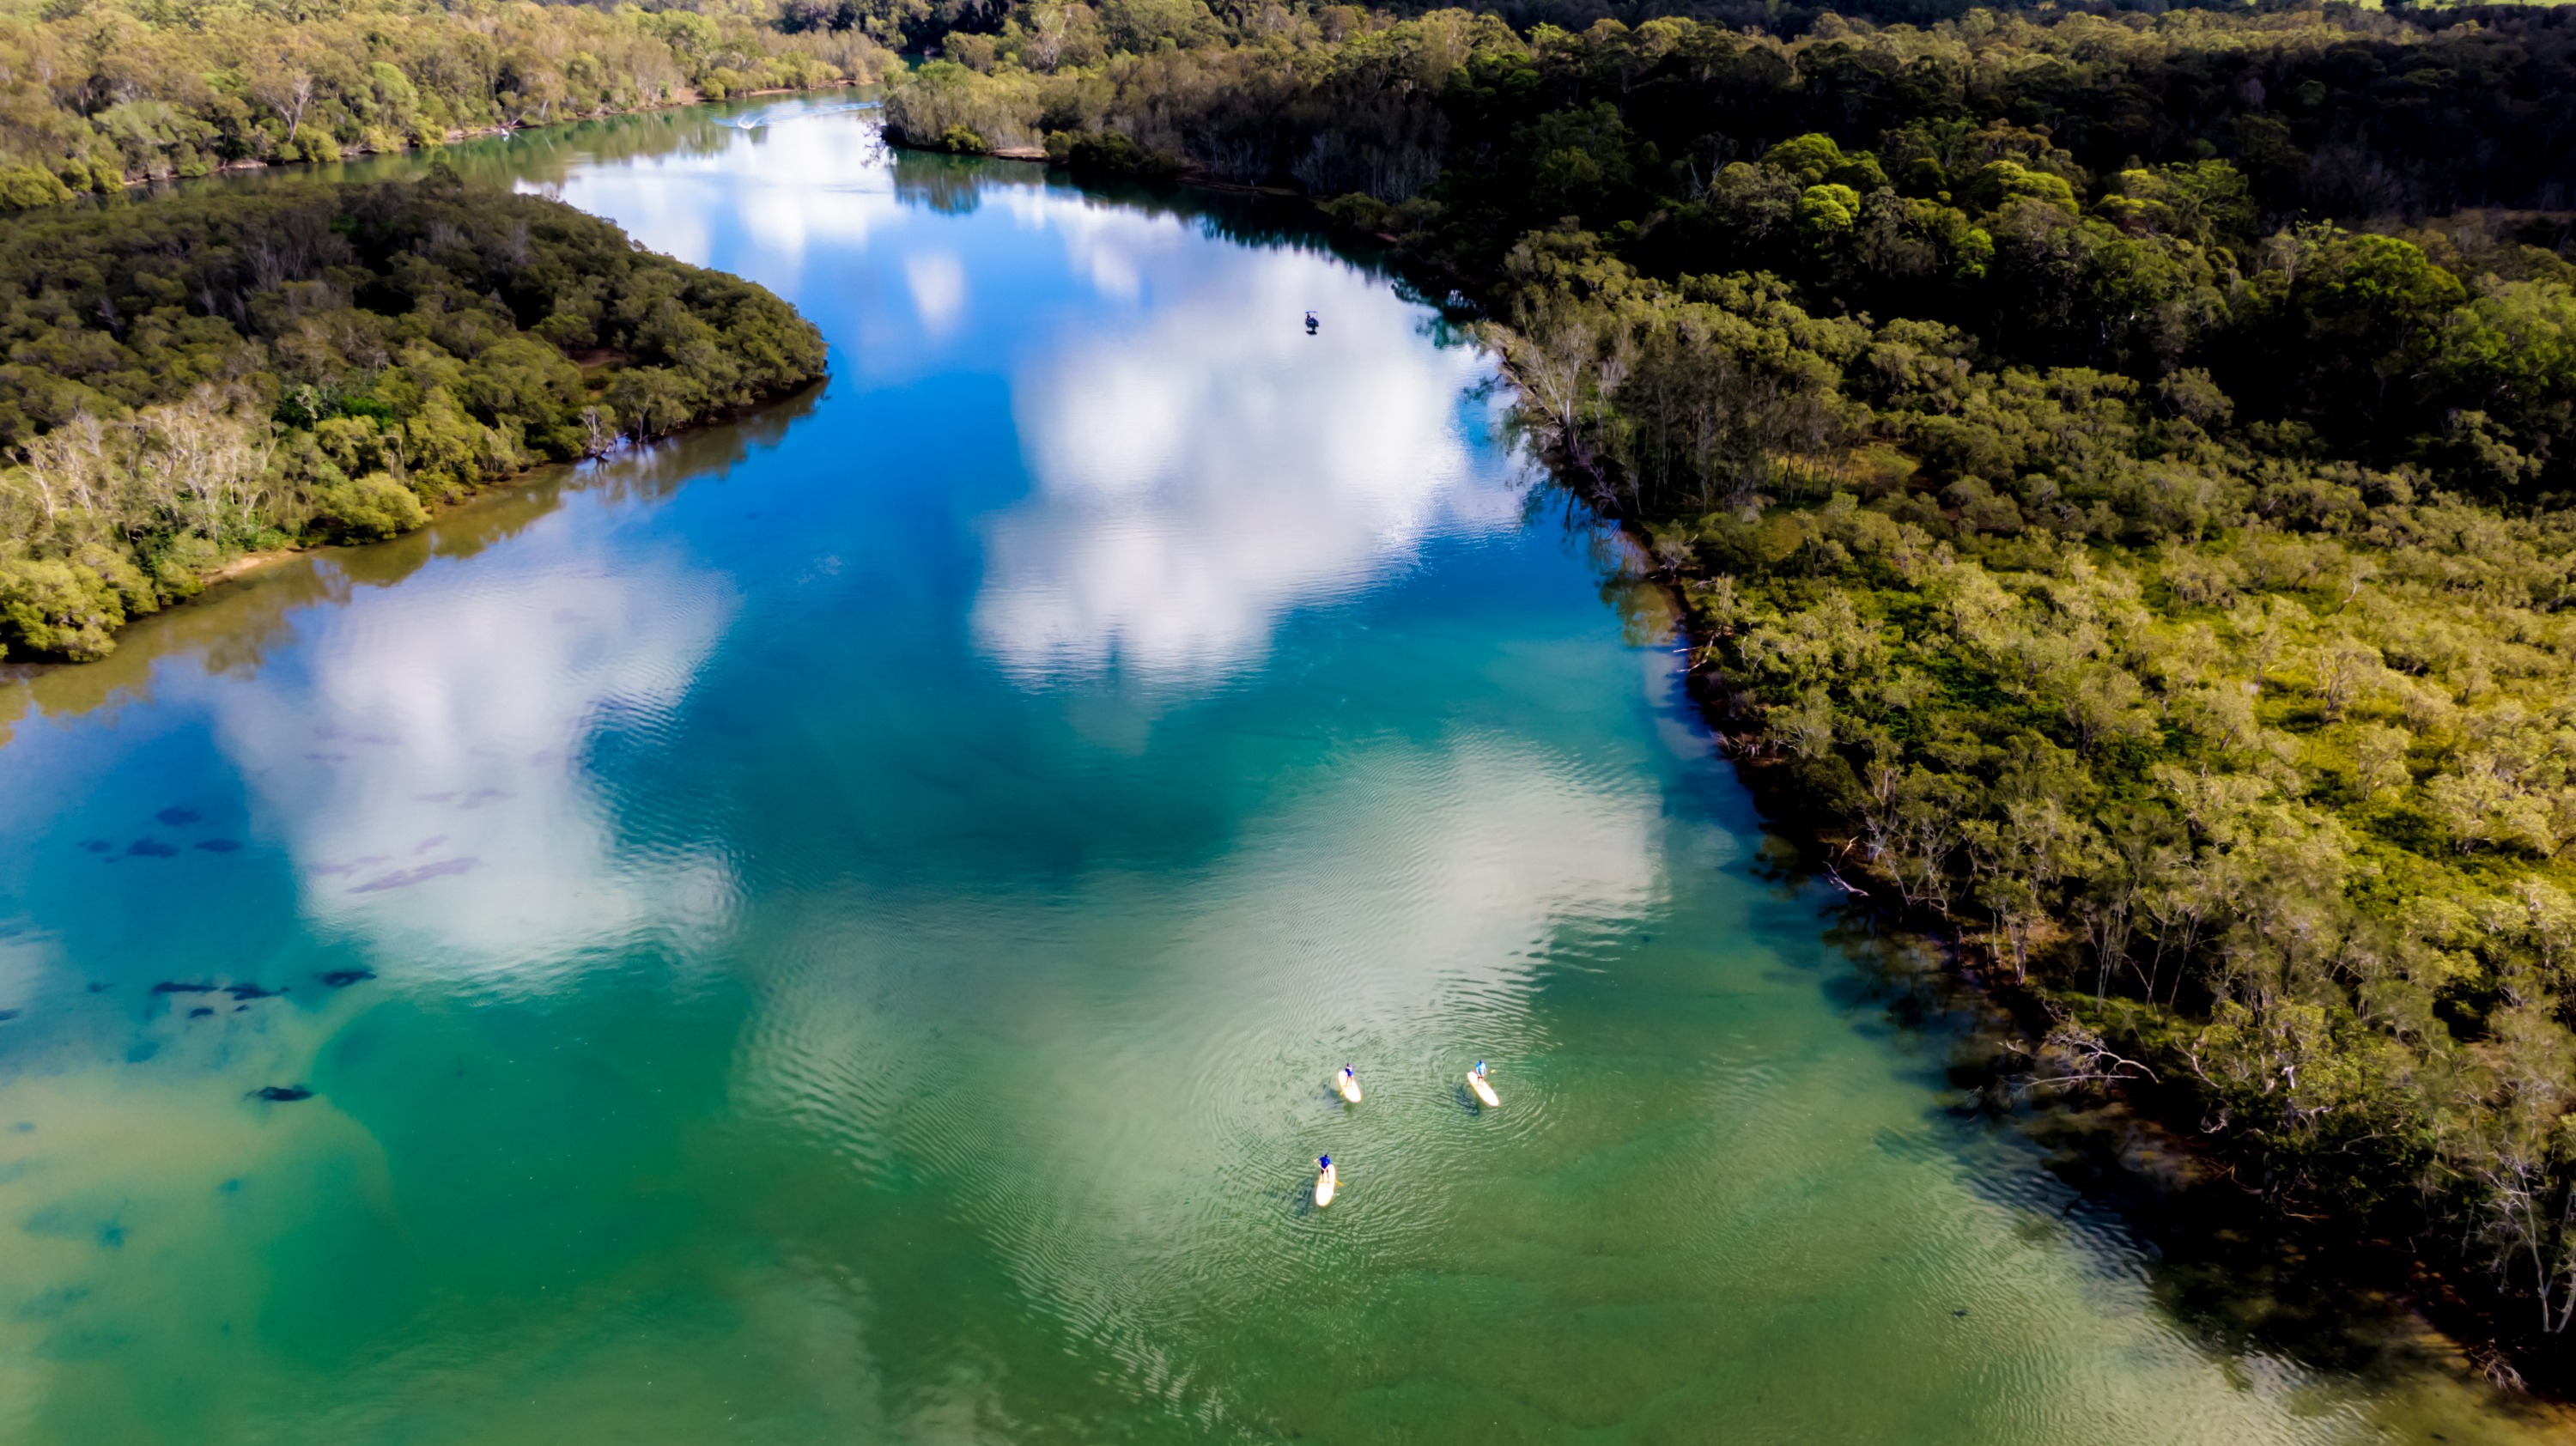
x=192, y=377
x=2117, y=466
x=2315, y=342
x=99, y=94
x=2250, y=761
x=1490, y=132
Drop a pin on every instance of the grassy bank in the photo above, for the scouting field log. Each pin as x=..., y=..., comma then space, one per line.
x=194, y=378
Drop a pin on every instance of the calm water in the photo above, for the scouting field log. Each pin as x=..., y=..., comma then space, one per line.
x=863, y=905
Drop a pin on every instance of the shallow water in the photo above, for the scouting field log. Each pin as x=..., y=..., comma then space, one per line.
x=839, y=928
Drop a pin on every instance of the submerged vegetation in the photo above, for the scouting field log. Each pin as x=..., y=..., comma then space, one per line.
x=193, y=377
x=2118, y=467
x=99, y=94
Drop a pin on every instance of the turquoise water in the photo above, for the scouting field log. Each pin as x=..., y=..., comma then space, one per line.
x=838, y=929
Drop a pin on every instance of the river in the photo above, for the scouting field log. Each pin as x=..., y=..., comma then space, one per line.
x=838, y=928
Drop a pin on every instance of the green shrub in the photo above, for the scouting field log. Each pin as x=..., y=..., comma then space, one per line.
x=23, y=188
x=52, y=607
x=367, y=508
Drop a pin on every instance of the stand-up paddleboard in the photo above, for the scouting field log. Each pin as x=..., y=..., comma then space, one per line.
x=1484, y=1091
x=1326, y=1182
x=1348, y=1083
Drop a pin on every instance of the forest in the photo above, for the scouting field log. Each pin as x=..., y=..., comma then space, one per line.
x=193, y=377
x=2117, y=465
x=96, y=95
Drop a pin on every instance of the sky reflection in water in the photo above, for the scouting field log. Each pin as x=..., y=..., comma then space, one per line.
x=1200, y=465
x=863, y=904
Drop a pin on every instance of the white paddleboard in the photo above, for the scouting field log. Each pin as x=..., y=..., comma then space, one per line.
x=1324, y=1187
x=1483, y=1090
x=1349, y=1085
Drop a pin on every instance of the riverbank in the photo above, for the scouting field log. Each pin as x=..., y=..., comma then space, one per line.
x=2138, y=1143
x=1866, y=595
x=209, y=583
x=2151, y=1133
x=1135, y=168
x=682, y=99
x=131, y=507
x=242, y=611
x=2405, y=1246
x=199, y=95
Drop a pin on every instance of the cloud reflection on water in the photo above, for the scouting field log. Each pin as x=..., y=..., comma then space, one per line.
x=799, y=191
x=423, y=763
x=938, y=283
x=1206, y=466
x=1200, y=466
x=1393, y=911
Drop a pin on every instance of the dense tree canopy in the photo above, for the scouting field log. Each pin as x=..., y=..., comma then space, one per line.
x=96, y=94
x=191, y=376
x=2323, y=113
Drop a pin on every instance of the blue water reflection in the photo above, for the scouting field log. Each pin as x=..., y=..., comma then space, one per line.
x=836, y=927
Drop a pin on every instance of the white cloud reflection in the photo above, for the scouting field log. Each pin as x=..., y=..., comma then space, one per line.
x=1207, y=466
x=1392, y=912
x=423, y=768
x=938, y=283
x=809, y=181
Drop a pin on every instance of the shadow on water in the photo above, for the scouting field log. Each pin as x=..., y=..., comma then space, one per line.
x=956, y=186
